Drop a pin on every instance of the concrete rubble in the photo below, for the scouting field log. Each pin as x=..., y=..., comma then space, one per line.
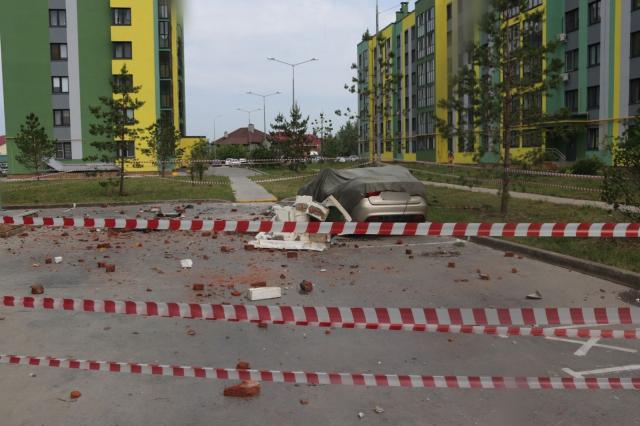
x=304, y=210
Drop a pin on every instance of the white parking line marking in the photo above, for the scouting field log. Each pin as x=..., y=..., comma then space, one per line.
x=586, y=346
x=581, y=374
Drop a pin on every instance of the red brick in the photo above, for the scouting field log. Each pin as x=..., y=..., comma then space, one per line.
x=514, y=271
x=226, y=249
x=292, y=255
x=110, y=268
x=48, y=261
x=451, y=265
x=102, y=265
x=246, y=389
x=75, y=394
x=509, y=254
x=259, y=284
x=103, y=246
x=408, y=252
x=306, y=287
x=249, y=247
x=198, y=287
x=206, y=234
x=243, y=365
x=37, y=289
x=236, y=293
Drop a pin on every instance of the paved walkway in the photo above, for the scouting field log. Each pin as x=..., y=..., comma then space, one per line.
x=245, y=190
x=535, y=197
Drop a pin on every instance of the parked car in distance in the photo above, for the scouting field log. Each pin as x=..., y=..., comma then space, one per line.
x=4, y=169
x=231, y=162
x=217, y=163
x=341, y=160
x=242, y=161
x=354, y=158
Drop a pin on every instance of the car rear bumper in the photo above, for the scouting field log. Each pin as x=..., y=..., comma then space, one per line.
x=365, y=211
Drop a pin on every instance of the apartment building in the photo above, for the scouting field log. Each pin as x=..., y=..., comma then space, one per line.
x=423, y=48
x=58, y=58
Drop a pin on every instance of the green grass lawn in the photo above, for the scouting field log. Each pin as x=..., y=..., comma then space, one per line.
x=138, y=190
x=544, y=185
x=447, y=205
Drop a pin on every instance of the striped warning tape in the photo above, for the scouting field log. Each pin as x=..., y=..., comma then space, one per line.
x=194, y=182
x=447, y=320
x=531, y=230
x=322, y=378
x=284, y=179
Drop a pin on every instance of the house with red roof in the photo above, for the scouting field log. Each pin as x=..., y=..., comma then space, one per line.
x=3, y=149
x=249, y=137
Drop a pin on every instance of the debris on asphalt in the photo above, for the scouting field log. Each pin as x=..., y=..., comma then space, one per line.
x=243, y=365
x=186, y=263
x=258, y=284
x=535, y=296
x=451, y=265
x=198, y=287
x=191, y=332
x=236, y=293
x=514, y=270
x=75, y=394
x=48, y=261
x=37, y=289
x=110, y=268
x=264, y=293
x=292, y=255
x=509, y=254
x=246, y=389
x=484, y=277
x=361, y=415
x=408, y=252
x=226, y=249
x=378, y=410
x=304, y=402
x=441, y=253
x=306, y=287
x=57, y=259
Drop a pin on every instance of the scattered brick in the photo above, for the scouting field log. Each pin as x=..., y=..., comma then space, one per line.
x=262, y=325
x=246, y=389
x=485, y=277
x=48, y=261
x=103, y=246
x=37, y=289
x=206, y=234
x=102, y=265
x=399, y=242
x=408, y=252
x=259, y=284
x=236, y=293
x=306, y=287
x=110, y=268
x=75, y=394
x=514, y=271
x=243, y=365
x=509, y=254
x=226, y=249
x=198, y=287
x=191, y=332
x=292, y=255
x=249, y=247
x=304, y=402
x=451, y=265
x=283, y=277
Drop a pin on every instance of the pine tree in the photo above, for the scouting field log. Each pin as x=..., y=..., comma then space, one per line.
x=33, y=144
x=290, y=136
x=116, y=122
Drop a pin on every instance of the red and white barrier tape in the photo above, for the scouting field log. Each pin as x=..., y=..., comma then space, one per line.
x=512, y=171
x=456, y=320
x=284, y=179
x=194, y=182
x=322, y=378
x=531, y=230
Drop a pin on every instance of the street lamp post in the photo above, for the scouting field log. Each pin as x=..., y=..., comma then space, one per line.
x=293, y=70
x=264, y=107
x=214, y=126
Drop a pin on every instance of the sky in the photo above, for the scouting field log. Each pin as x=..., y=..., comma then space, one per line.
x=226, y=48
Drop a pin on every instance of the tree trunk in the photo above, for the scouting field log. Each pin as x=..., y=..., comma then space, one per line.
x=504, y=201
x=163, y=168
x=122, y=174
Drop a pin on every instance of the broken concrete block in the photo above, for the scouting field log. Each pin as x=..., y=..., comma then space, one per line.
x=57, y=259
x=484, y=277
x=306, y=287
x=535, y=296
x=226, y=249
x=37, y=289
x=186, y=263
x=264, y=293
x=246, y=389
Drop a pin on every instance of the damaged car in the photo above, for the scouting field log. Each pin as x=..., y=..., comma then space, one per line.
x=371, y=194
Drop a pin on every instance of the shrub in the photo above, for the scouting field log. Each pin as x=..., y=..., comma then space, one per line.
x=588, y=166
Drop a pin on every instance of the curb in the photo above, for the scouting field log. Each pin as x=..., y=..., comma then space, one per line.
x=611, y=273
x=138, y=203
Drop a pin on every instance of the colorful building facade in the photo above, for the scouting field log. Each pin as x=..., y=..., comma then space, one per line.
x=423, y=48
x=59, y=57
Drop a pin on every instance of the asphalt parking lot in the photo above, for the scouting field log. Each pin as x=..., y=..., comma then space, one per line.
x=354, y=272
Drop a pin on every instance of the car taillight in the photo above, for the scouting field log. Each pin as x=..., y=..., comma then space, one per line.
x=373, y=194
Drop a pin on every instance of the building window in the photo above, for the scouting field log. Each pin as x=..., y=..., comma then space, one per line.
x=167, y=117
x=60, y=84
x=120, y=16
x=122, y=83
x=131, y=117
x=164, y=32
x=449, y=12
x=165, y=65
x=63, y=151
x=571, y=60
x=593, y=138
x=572, y=20
x=128, y=149
x=635, y=44
x=594, y=55
x=122, y=50
x=594, y=12
x=59, y=52
x=166, y=95
x=61, y=118
x=571, y=100
x=164, y=9
x=634, y=91
x=57, y=18
x=593, y=97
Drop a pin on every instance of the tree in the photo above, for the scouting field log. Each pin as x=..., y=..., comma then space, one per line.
x=33, y=144
x=344, y=143
x=162, y=143
x=230, y=151
x=116, y=122
x=200, y=155
x=290, y=136
x=322, y=127
x=622, y=181
x=499, y=93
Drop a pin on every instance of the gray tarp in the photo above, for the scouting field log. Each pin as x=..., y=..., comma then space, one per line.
x=349, y=186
